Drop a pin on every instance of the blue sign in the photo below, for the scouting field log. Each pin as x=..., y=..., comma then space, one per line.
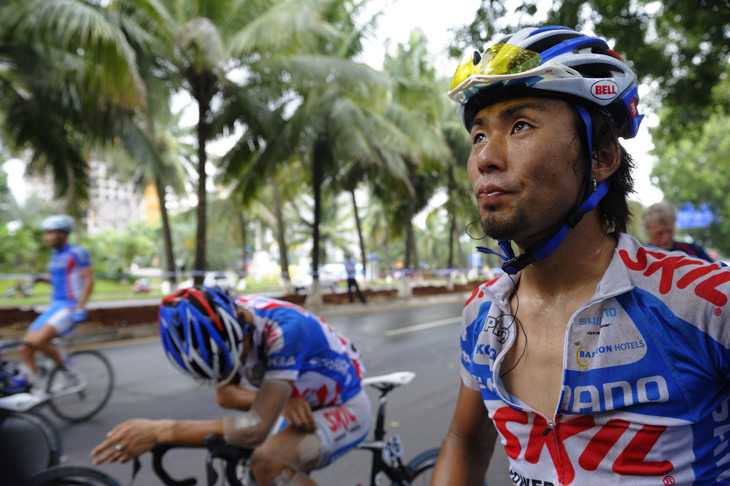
x=689, y=217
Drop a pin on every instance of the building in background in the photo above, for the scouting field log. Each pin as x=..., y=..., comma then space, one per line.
x=113, y=203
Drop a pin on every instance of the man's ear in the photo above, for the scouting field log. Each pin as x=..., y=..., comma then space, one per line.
x=606, y=160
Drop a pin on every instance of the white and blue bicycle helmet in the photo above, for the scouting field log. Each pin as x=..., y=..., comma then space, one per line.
x=201, y=334
x=557, y=62
x=58, y=222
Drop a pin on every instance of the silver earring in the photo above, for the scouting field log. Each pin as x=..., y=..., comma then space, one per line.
x=594, y=184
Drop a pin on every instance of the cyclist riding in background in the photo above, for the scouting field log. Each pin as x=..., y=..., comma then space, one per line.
x=304, y=371
x=72, y=279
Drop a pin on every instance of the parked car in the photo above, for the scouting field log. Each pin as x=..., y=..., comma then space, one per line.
x=223, y=280
x=141, y=285
x=328, y=280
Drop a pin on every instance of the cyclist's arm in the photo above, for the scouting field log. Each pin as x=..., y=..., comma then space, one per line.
x=468, y=445
x=88, y=275
x=137, y=436
x=297, y=411
x=235, y=397
x=251, y=428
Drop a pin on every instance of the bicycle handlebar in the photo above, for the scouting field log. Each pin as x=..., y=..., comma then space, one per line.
x=217, y=449
x=157, y=453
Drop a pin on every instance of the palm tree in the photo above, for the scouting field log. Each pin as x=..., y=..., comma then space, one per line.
x=337, y=106
x=416, y=112
x=69, y=78
x=214, y=41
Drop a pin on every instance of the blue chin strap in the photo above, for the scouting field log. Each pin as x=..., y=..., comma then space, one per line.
x=544, y=248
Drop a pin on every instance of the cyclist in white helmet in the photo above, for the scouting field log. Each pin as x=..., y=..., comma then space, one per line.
x=302, y=370
x=593, y=359
x=72, y=279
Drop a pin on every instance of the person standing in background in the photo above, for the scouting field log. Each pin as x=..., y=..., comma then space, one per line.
x=659, y=220
x=351, y=269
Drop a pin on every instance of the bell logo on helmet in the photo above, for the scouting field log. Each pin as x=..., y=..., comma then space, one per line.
x=604, y=90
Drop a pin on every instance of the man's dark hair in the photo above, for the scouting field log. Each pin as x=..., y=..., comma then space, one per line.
x=614, y=207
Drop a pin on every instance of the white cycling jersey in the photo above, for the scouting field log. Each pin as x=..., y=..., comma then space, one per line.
x=291, y=343
x=645, y=398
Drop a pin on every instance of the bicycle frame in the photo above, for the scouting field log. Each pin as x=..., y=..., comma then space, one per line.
x=397, y=472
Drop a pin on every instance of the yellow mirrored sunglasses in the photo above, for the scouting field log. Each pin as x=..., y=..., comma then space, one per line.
x=500, y=59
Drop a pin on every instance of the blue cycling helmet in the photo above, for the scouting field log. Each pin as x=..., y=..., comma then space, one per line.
x=201, y=334
x=555, y=62
x=58, y=222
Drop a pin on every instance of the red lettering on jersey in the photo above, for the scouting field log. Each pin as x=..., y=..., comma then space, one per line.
x=667, y=267
x=322, y=393
x=340, y=419
x=601, y=443
x=501, y=417
x=708, y=289
x=631, y=461
x=705, y=289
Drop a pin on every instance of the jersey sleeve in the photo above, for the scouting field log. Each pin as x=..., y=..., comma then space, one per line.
x=286, y=348
x=81, y=256
x=469, y=333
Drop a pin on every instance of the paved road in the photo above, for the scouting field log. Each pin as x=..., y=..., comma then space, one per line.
x=423, y=339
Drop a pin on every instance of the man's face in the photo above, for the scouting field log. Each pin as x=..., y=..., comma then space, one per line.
x=661, y=234
x=524, y=167
x=55, y=239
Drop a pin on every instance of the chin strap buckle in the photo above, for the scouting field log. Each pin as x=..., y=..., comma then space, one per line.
x=517, y=263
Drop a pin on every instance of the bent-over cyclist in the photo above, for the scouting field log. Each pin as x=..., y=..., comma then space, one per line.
x=303, y=370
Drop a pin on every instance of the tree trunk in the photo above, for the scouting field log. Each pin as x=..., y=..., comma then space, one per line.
x=451, y=213
x=360, y=239
x=281, y=240
x=407, y=291
x=202, y=88
x=314, y=299
x=170, y=269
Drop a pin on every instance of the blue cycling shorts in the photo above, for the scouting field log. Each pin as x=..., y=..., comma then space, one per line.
x=58, y=315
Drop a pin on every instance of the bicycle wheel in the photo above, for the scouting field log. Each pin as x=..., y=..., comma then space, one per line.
x=421, y=468
x=30, y=440
x=82, y=401
x=72, y=476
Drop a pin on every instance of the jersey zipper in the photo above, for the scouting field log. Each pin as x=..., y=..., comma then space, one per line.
x=550, y=427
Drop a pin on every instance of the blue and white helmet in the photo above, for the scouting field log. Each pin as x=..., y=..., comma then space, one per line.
x=558, y=61
x=58, y=222
x=201, y=334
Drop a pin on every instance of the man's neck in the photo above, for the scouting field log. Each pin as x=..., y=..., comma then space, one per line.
x=580, y=260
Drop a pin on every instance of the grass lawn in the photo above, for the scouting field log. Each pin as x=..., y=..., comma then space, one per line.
x=109, y=289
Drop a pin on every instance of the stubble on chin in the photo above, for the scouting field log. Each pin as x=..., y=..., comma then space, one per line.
x=501, y=227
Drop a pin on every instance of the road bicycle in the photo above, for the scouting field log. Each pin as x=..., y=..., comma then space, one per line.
x=30, y=440
x=30, y=444
x=387, y=467
x=75, y=402
x=72, y=476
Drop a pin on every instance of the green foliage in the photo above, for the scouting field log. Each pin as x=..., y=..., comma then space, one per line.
x=696, y=170
x=113, y=252
x=22, y=250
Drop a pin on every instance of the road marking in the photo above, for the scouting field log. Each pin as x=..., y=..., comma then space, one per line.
x=421, y=327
